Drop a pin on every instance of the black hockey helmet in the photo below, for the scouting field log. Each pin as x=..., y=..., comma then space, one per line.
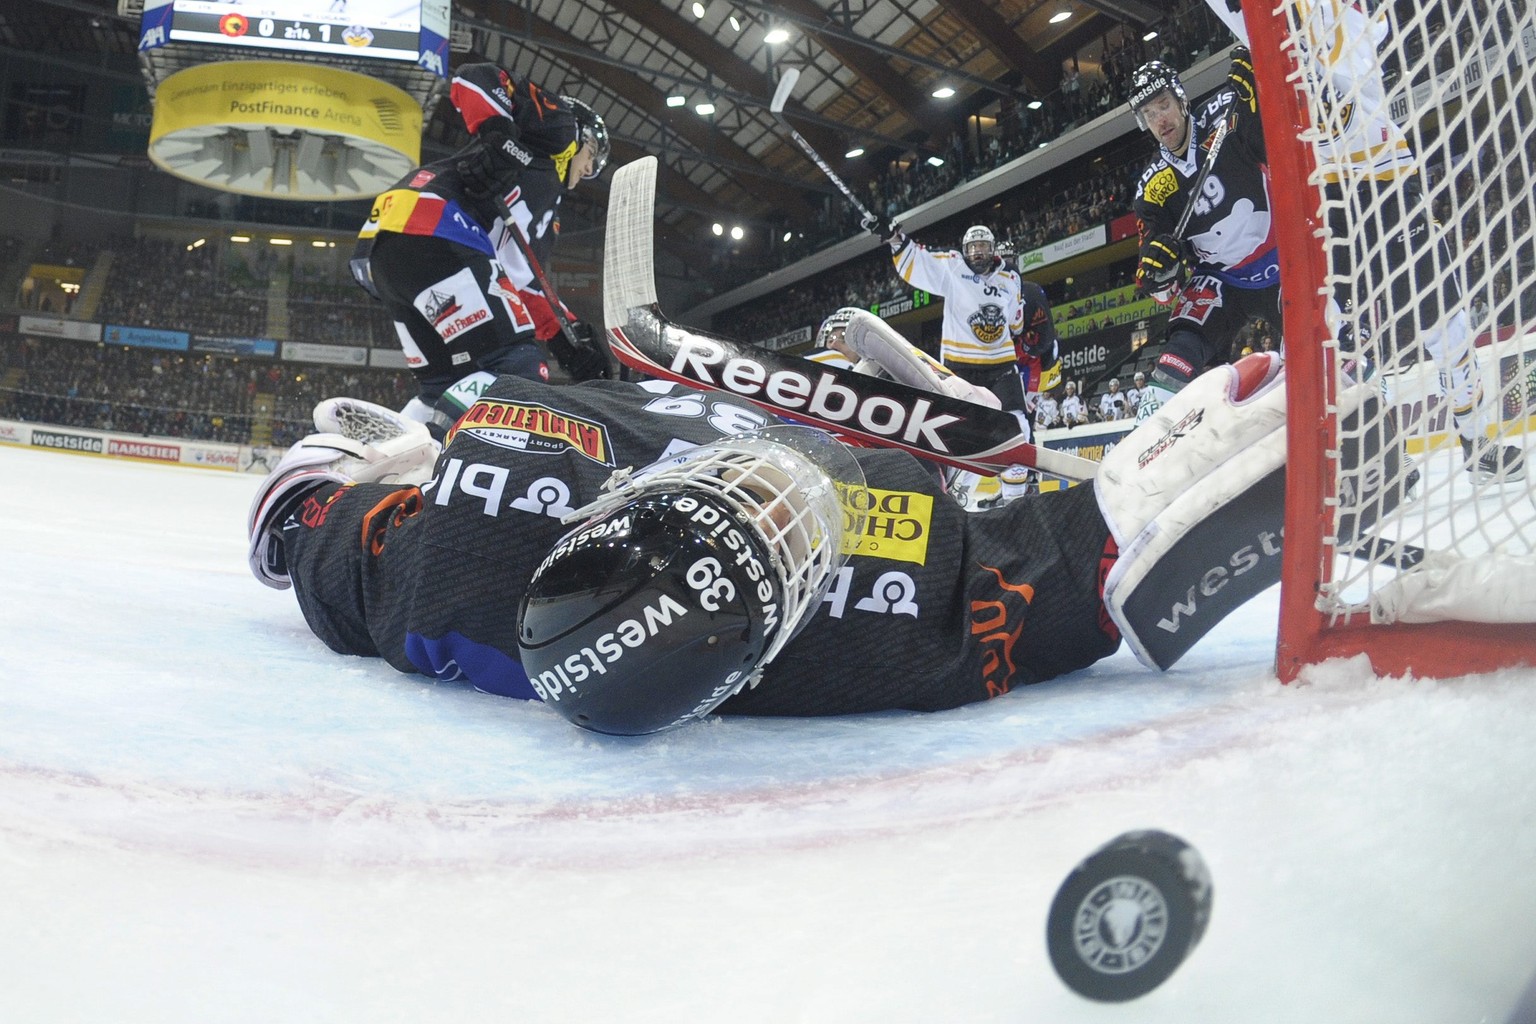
x=979, y=248
x=590, y=128
x=686, y=579
x=1149, y=81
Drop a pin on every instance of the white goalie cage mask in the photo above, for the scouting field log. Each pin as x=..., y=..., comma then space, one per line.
x=785, y=481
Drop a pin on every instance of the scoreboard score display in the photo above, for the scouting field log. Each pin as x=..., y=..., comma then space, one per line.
x=387, y=29
x=414, y=31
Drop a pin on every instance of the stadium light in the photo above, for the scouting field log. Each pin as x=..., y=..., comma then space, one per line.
x=856, y=151
x=318, y=244
x=698, y=9
x=1151, y=35
x=735, y=25
x=1035, y=104
x=1060, y=16
x=704, y=109
x=717, y=228
x=676, y=101
x=776, y=36
x=944, y=92
x=239, y=238
x=935, y=161
x=787, y=236
x=280, y=241
x=737, y=233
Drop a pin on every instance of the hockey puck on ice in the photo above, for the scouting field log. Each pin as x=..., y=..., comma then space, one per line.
x=1128, y=915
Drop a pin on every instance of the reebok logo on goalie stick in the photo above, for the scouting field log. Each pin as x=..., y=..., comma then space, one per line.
x=817, y=395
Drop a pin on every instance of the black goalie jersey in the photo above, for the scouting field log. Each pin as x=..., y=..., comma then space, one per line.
x=935, y=608
x=1230, y=233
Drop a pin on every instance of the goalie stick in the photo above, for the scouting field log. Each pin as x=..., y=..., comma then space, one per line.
x=928, y=424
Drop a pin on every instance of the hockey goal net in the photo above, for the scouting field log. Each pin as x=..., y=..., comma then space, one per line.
x=1402, y=148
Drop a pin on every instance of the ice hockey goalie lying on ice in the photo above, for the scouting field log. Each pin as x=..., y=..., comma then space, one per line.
x=571, y=544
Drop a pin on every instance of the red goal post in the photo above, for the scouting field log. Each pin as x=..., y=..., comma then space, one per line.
x=1454, y=300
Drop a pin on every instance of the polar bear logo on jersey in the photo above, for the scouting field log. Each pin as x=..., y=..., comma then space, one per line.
x=1235, y=237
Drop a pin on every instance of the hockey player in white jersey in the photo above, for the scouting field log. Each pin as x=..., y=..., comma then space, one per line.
x=1361, y=149
x=983, y=304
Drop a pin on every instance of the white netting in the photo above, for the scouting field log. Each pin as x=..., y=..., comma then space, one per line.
x=1425, y=143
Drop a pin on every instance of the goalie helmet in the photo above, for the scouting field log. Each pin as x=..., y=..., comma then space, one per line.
x=834, y=325
x=1149, y=81
x=684, y=581
x=590, y=128
x=979, y=248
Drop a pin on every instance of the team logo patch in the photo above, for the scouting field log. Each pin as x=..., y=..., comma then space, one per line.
x=987, y=323
x=454, y=305
x=1161, y=187
x=537, y=429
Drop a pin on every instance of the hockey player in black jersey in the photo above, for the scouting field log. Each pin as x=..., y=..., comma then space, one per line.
x=439, y=252
x=1223, y=268
x=638, y=555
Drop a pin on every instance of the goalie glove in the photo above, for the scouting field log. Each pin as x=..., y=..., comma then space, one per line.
x=359, y=442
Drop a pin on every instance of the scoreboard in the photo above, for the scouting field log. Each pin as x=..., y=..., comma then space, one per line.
x=413, y=31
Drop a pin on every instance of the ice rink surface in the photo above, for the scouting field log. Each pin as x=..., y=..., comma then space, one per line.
x=207, y=816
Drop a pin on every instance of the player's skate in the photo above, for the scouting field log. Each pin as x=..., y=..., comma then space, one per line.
x=1494, y=462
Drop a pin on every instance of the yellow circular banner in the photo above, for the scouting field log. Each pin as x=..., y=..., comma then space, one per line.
x=296, y=130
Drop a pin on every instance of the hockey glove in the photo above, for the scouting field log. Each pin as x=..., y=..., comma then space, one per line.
x=493, y=164
x=359, y=443
x=890, y=233
x=1157, y=272
x=1241, y=78
x=585, y=359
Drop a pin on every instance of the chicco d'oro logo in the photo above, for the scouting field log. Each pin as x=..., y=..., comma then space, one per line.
x=534, y=428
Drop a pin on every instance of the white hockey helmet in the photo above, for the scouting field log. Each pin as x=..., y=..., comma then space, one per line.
x=979, y=248
x=834, y=325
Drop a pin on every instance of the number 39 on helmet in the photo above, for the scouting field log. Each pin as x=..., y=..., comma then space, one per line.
x=682, y=583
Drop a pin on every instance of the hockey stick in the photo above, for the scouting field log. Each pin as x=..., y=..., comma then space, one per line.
x=545, y=284
x=776, y=107
x=871, y=410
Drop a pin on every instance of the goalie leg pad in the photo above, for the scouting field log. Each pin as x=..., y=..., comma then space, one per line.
x=875, y=341
x=1195, y=498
